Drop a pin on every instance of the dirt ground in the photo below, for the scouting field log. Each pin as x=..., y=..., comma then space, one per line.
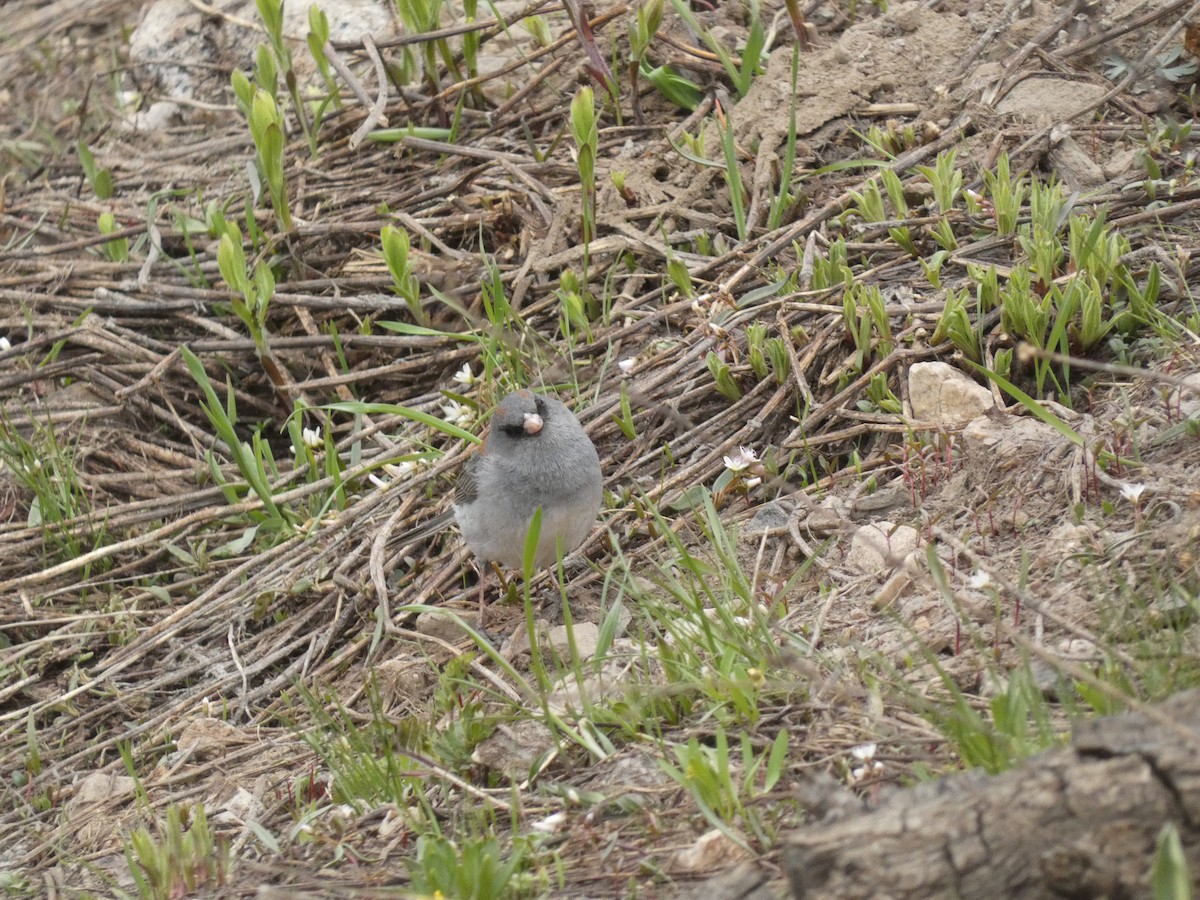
x=155, y=645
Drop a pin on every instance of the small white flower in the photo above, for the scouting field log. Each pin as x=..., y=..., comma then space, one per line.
x=626, y=365
x=1132, y=492
x=406, y=468
x=464, y=375
x=752, y=482
x=312, y=438
x=552, y=824
x=742, y=460
x=376, y=480
x=457, y=413
x=5, y=344
x=864, y=752
x=863, y=772
x=979, y=580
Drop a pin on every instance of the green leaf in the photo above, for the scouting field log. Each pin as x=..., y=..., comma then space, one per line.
x=679, y=90
x=231, y=260
x=1170, y=879
x=416, y=415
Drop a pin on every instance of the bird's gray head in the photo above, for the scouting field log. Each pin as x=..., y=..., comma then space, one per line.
x=521, y=416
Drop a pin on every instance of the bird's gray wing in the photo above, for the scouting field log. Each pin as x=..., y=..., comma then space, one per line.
x=466, y=490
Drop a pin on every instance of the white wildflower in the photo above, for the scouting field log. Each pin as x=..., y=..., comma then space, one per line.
x=742, y=460
x=457, y=413
x=406, y=468
x=979, y=580
x=5, y=344
x=312, y=437
x=626, y=365
x=552, y=824
x=465, y=376
x=865, y=753
x=1132, y=492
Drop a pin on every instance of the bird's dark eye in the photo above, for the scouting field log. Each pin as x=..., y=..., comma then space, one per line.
x=541, y=406
x=514, y=431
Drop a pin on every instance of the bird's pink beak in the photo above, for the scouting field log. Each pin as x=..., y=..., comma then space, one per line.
x=533, y=423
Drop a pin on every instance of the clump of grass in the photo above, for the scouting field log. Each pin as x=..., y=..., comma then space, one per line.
x=183, y=857
x=45, y=465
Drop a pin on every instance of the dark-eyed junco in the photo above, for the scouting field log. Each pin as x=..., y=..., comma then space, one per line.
x=535, y=454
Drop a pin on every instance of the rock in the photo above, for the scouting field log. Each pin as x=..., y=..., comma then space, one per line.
x=770, y=518
x=880, y=547
x=945, y=395
x=587, y=638
x=1186, y=402
x=1044, y=101
x=173, y=49
x=515, y=752
x=100, y=786
x=712, y=850
x=1078, y=171
x=207, y=737
x=400, y=680
x=439, y=624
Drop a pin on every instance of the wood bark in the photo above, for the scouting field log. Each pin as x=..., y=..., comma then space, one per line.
x=1074, y=823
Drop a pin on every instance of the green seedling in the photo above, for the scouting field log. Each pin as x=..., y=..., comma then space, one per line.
x=43, y=463
x=1170, y=876
x=831, y=269
x=1007, y=196
x=183, y=858
x=863, y=312
x=956, y=326
x=741, y=74
x=678, y=274
x=473, y=867
x=781, y=360
x=586, y=133
x=756, y=339
x=721, y=788
x=538, y=29
x=870, y=207
x=253, y=460
x=421, y=17
x=641, y=32
x=683, y=92
x=880, y=397
x=946, y=180
x=395, y=242
x=932, y=267
x=318, y=36
x=118, y=248
x=256, y=287
x=783, y=199
x=624, y=420
x=578, y=306
x=100, y=179
x=723, y=378
x=733, y=172
x=266, y=130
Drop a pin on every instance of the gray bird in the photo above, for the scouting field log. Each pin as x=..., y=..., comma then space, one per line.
x=535, y=454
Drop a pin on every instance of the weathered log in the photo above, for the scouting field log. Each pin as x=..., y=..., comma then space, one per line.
x=1072, y=823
